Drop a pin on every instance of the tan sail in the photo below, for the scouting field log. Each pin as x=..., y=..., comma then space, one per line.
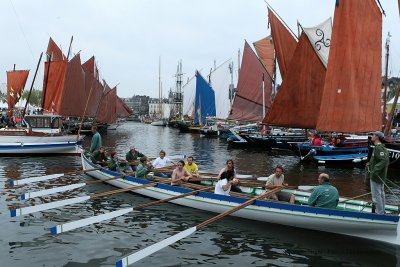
x=16, y=81
x=298, y=100
x=351, y=99
x=265, y=51
x=284, y=43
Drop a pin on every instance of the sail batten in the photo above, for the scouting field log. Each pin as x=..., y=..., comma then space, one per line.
x=351, y=100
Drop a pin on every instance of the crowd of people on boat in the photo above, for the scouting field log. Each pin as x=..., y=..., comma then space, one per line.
x=325, y=195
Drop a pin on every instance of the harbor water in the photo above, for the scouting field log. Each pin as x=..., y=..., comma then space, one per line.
x=26, y=240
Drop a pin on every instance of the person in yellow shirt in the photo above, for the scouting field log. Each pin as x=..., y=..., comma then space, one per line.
x=192, y=167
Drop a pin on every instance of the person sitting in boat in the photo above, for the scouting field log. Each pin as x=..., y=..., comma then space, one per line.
x=192, y=167
x=161, y=162
x=230, y=166
x=276, y=180
x=324, y=195
x=132, y=157
x=333, y=141
x=99, y=157
x=316, y=141
x=180, y=174
x=143, y=168
x=115, y=164
x=96, y=140
x=225, y=184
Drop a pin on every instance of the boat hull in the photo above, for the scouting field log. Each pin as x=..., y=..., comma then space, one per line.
x=364, y=225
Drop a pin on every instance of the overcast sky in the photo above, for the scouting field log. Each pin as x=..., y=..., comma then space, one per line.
x=128, y=36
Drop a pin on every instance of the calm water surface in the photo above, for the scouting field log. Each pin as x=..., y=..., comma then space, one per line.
x=25, y=241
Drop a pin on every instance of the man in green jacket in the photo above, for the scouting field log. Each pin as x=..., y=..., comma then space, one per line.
x=144, y=168
x=96, y=140
x=325, y=195
x=132, y=157
x=377, y=168
x=99, y=157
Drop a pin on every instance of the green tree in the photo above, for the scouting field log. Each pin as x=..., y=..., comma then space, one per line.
x=35, y=98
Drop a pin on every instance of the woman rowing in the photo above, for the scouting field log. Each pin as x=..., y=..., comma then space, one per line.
x=230, y=166
x=225, y=184
x=143, y=168
x=180, y=174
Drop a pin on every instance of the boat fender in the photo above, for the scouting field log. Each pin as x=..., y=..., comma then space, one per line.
x=365, y=158
x=321, y=161
x=356, y=160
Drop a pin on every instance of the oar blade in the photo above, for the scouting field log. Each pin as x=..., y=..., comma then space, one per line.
x=47, y=206
x=35, y=179
x=61, y=228
x=132, y=258
x=51, y=191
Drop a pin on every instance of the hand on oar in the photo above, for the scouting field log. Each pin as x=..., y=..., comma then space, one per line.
x=70, y=201
x=132, y=258
x=64, y=188
x=47, y=177
x=107, y=216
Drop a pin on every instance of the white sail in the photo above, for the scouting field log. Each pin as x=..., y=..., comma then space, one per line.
x=220, y=81
x=189, y=94
x=320, y=39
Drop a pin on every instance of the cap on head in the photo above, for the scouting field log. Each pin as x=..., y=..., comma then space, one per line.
x=132, y=147
x=379, y=134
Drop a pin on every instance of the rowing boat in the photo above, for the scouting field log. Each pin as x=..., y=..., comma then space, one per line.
x=352, y=218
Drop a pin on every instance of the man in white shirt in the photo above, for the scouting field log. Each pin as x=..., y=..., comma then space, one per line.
x=223, y=187
x=160, y=162
x=277, y=180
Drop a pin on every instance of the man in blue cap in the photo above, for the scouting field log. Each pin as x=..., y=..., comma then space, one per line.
x=377, y=168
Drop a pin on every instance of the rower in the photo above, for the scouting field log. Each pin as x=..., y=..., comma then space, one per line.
x=276, y=180
x=180, y=174
x=99, y=157
x=192, y=167
x=160, y=162
x=143, y=168
x=132, y=157
x=325, y=195
x=115, y=164
x=230, y=166
x=224, y=185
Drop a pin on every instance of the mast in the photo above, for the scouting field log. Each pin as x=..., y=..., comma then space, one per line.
x=159, y=88
x=263, y=96
x=33, y=81
x=386, y=78
x=70, y=44
x=238, y=62
x=231, y=85
x=46, y=82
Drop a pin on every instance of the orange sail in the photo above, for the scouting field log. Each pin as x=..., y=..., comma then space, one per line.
x=351, y=99
x=298, y=100
x=265, y=51
x=248, y=102
x=284, y=43
x=16, y=81
x=54, y=51
x=93, y=87
x=107, y=111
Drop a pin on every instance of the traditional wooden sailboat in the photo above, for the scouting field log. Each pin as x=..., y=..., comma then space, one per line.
x=344, y=97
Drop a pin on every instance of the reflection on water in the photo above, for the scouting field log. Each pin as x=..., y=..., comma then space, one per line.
x=25, y=241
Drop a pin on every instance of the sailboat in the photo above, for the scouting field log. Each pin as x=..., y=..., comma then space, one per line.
x=198, y=103
x=160, y=116
x=333, y=84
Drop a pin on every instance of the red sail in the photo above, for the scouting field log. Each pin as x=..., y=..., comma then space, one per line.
x=74, y=97
x=112, y=106
x=93, y=87
x=16, y=81
x=53, y=85
x=351, y=100
x=89, y=65
x=122, y=109
x=54, y=51
x=248, y=102
x=284, y=43
x=107, y=109
x=265, y=51
x=298, y=100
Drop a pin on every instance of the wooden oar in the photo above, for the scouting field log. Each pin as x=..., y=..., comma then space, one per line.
x=343, y=201
x=64, y=188
x=47, y=177
x=107, y=216
x=132, y=258
x=60, y=203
